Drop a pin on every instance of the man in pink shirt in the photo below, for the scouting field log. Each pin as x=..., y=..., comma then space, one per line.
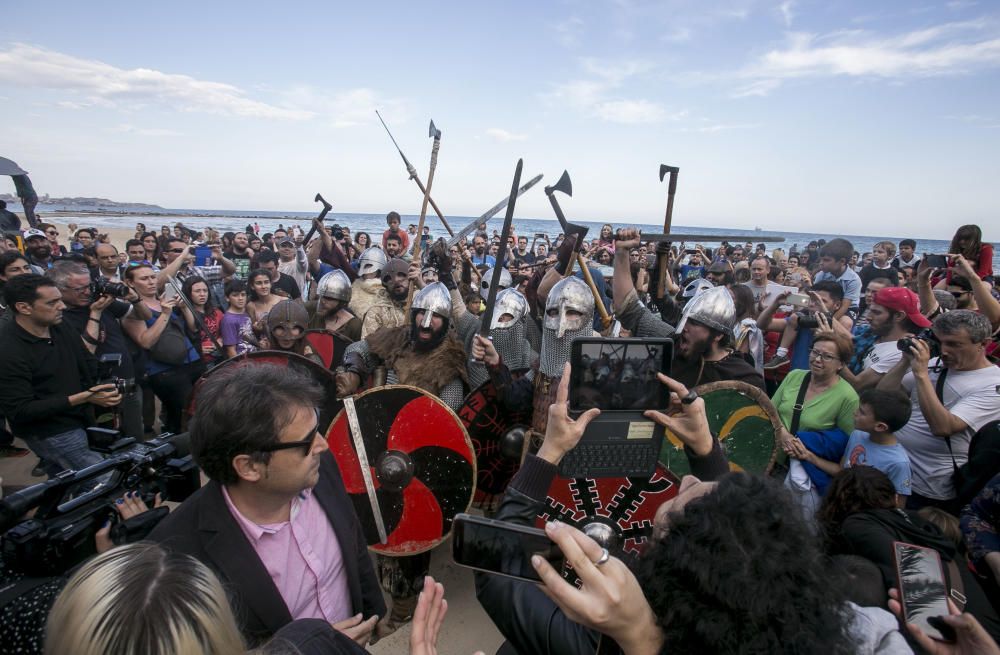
x=274, y=522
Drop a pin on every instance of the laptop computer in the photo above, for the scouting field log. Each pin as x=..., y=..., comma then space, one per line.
x=618, y=376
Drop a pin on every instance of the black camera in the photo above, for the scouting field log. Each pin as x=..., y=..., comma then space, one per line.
x=338, y=233
x=102, y=286
x=927, y=336
x=72, y=507
x=810, y=320
x=107, y=369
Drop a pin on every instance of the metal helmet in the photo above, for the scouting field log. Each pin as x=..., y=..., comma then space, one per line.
x=433, y=299
x=570, y=293
x=288, y=314
x=509, y=301
x=506, y=281
x=335, y=285
x=713, y=308
x=393, y=266
x=372, y=260
x=696, y=286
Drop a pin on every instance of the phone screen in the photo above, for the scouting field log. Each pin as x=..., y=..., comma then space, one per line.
x=202, y=256
x=936, y=261
x=503, y=548
x=922, y=588
x=617, y=375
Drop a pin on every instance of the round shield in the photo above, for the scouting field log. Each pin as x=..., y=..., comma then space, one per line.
x=330, y=346
x=407, y=464
x=498, y=438
x=323, y=377
x=617, y=512
x=743, y=418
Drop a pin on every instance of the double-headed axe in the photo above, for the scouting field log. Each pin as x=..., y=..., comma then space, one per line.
x=565, y=185
x=662, y=260
x=435, y=134
x=326, y=210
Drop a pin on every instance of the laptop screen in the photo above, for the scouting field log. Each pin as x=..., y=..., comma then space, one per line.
x=619, y=374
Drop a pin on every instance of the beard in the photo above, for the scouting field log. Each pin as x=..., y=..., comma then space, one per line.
x=690, y=350
x=427, y=344
x=480, y=251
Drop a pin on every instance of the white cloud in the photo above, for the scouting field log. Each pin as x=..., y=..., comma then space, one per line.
x=128, y=128
x=569, y=31
x=947, y=49
x=785, y=9
x=503, y=136
x=95, y=82
x=723, y=127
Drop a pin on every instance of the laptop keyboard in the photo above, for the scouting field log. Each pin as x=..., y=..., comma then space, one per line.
x=609, y=460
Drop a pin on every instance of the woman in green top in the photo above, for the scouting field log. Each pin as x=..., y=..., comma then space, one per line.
x=830, y=400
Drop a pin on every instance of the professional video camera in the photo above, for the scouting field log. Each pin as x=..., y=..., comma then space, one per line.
x=102, y=286
x=927, y=336
x=72, y=507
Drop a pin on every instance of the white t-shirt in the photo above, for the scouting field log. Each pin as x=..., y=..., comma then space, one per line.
x=971, y=396
x=882, y=357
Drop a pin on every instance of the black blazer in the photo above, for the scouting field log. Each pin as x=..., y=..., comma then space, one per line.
x=203, y=527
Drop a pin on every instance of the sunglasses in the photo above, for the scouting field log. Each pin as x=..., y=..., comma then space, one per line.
x=177, y=250
x=306, y=443
x=52, y=233
x=958, y=294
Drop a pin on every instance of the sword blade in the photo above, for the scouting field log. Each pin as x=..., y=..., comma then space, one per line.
x=359, y=446
x=492, y=211
x=491, y=298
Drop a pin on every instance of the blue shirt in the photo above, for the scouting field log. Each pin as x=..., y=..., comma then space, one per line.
x=891, y=460
x=849, y=281
x=486, y=260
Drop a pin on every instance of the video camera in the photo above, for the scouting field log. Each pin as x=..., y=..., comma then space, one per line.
x=72, y=507
x=809, y=320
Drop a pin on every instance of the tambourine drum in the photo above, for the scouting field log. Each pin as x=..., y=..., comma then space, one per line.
x=322, y=376
x=330, y=346
x=498, y=438
x=407, y=464
x=743, y=418
x=618, y=513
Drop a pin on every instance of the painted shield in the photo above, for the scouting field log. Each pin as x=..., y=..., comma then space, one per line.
x=743, y=418
x=408, y=465
x=330, y=346
x=322, y=376
x=617, y=512
x=498, y=438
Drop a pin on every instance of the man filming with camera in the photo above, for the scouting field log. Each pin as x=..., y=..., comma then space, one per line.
x=955, y=391
x=48, y=377
x=94, y=309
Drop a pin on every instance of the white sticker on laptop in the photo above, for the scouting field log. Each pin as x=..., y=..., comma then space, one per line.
x=640, y=430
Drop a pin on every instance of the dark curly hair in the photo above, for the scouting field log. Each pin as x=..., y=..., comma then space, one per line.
x=740, y=572
x=853, y=490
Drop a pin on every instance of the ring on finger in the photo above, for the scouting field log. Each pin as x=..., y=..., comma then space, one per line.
x=605, y=556
x=690, y=397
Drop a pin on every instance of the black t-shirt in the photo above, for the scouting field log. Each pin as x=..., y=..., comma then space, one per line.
x=287, y=284
x=111, y=338
x=869, y=273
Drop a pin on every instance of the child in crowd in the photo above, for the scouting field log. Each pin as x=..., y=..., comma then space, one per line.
x=833, y=260
x=392, y=220
x=873, y=443
x=236, y=325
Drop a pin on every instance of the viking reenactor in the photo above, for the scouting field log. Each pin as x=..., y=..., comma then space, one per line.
x=367, y=289
x=286, y=328
x=388, y=309
x=330, y=309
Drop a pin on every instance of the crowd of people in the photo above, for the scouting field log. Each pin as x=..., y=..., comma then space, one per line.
x=880, y=365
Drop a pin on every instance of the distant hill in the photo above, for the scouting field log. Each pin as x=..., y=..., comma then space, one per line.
x=97, y=203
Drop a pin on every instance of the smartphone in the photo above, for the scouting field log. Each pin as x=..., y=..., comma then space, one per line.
x=690, y=251
x=923, y=591
x=936, y=261
x=798, y=299
x=202, y=256
x=501, y=547
x=169, y=292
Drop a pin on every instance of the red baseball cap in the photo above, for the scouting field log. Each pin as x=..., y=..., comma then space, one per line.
x=901, y=299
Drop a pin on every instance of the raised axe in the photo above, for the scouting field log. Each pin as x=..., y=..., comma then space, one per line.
x=326, y=210
x=565, y=185
x=416, y=177
x=489, y=213
x=435, y=134
x=661, y=273
x=486, y=319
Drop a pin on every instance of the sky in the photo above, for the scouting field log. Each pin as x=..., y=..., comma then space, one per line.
x=828, y=117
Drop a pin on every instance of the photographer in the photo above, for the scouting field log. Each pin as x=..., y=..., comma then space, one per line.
x=953, y=397
x=95, y=316
x=797, y=328
x=48, y=377
x=179, y=257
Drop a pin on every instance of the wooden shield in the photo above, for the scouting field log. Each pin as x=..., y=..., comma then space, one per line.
x=622, y=507
x=743, y=418
x=493, y=431
x=322, y=376
x=330, y=346
x=408, y=466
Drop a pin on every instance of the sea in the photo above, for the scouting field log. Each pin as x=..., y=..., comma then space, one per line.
x=225, y=220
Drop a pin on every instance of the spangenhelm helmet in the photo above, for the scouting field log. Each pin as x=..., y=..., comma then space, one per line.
x=433, y=299
x=696, y=286
x=372, y=260
x=509, y=301
x=505, y=281
x=712, y=307
x=288, y=314
x=335, y=285
x=570, y=293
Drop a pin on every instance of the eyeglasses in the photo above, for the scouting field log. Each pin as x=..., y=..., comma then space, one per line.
x=52, y=233
x=958, y=294
x=85, y=287
x=177, y=250
x=819, y=354
x=306, y=443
